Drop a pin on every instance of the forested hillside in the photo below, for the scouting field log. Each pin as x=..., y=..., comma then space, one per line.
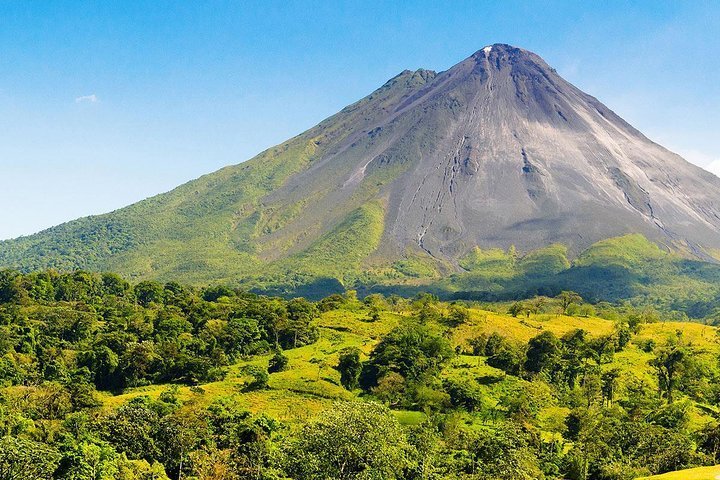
x=103, y=379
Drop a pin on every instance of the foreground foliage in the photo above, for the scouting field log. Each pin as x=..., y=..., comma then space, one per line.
x=101, y=379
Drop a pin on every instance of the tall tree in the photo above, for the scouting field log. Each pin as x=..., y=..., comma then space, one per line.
x=350, y=441
x=668, y=364
x=350, y=366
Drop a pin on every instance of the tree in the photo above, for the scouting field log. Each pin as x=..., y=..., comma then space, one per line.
x=258, y=378
x=239, y=336
x=668, y=364
x=543, y=352
x=411, y=350
x=458, y=315
x=88, y=460
x=709, y=442
x=494, y=343
x=478, y=344
x=212, y=294
x=131, y=427
x=299, y=330
x=592, y=386
x=519, y=308
x=505, y=452
x=177, y=435
x=350, y=366
x=26, y=460
x=609, y=385
x=390, y=389
x=114, y=284
x=590, y=431
x=278, y=362
x=509, y=359
x=576, y=355
x=623, y=336
x=103, y=362
x=567, y=298
x=139, y=363
x=351, y=440
x=148, y=292
x=11, y=290
x=463, y=394
x=429, y=312
x=331, y=302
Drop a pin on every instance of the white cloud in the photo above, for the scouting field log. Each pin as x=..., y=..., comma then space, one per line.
x=87, y=99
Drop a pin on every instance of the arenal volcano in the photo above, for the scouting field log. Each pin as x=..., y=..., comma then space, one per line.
x=497, y=151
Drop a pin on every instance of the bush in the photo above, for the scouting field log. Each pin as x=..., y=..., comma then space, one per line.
x=278, y=362
x=258, y=378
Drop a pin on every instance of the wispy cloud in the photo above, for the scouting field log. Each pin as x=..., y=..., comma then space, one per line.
x=87, y=99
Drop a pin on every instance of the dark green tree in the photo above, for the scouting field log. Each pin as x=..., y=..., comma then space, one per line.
x=543, y=353
x=149, y=292
x=350, y=366
x=669, y=363
x=278, y=362
x=567, y=298
x=411, y=350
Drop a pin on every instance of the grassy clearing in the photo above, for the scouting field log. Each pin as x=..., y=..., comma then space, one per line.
x=524, y=328
x=308, y=385
x=311, y=383
x=701, y=473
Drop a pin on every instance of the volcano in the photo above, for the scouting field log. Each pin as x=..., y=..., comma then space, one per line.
x=498, y=151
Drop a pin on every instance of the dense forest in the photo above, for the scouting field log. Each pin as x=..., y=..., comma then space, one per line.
x=104, y=379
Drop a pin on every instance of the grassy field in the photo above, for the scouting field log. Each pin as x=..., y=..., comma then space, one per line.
x=311, y=383
x=701, y=473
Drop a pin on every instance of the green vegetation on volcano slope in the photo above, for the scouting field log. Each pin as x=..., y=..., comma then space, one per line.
x=237, y=222
x=624, y=268
x=202, y=226
x=104, y=379
x=227, y=227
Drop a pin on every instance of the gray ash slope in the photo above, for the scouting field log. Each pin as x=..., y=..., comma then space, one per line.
x=503, y=151
x=498, y=150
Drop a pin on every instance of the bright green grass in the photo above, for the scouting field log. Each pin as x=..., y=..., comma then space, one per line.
x=346, y=246
x=409, y=418
x=628, y=251
x=523, y=329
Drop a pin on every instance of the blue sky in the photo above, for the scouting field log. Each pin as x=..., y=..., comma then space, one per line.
x=105, y=103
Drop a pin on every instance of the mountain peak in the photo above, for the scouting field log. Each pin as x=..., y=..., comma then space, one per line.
x=496, y=151
x=501, y=48
x=502, y=53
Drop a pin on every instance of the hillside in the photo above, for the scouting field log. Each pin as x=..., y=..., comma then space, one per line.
x=405, y=186
x=699, y=473
x=141, y=381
